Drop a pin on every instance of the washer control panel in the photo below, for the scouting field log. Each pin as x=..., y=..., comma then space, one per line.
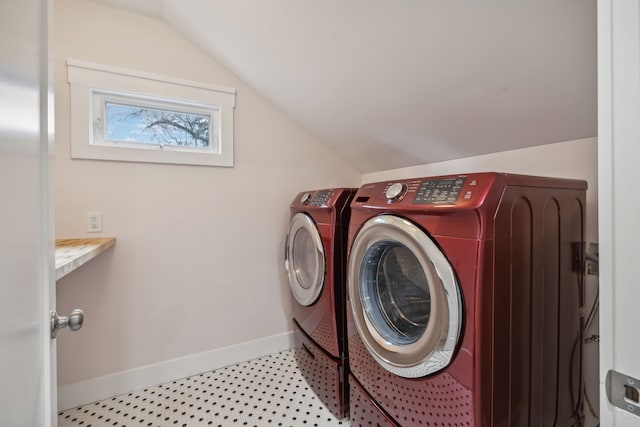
x=439, y=191
x=444, y=193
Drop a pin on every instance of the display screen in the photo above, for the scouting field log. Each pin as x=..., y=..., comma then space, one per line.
x=439, y=191
x=320, y=198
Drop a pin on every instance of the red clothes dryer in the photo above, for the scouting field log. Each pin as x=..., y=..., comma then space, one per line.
x=465, y=296
x=315, y=256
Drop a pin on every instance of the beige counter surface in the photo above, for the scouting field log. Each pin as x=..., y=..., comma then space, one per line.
x=72, y=253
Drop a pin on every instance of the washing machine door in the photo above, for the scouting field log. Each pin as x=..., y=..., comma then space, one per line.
x=404, y=296
x=304, y=259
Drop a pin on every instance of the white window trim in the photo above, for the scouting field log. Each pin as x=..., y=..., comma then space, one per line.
x=85, y=77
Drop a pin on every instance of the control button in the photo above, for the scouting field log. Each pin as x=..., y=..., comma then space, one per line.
x=305, y=199
x=467, y=195
x=396, y=192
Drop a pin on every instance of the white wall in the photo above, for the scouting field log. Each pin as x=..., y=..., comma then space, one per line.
x=571, y=159
x=197, y=266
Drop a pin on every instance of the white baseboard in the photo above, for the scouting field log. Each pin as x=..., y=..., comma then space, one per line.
x=81, y=393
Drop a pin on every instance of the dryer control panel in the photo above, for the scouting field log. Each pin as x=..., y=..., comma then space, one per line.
x=318, y=198
x=326, y=198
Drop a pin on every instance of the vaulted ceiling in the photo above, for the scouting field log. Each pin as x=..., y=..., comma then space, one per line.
x=393, y=83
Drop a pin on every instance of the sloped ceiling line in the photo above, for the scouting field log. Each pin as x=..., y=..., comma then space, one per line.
x=388, y=84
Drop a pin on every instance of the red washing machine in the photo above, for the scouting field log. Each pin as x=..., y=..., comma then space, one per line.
x=315, y=256
x=465, y=296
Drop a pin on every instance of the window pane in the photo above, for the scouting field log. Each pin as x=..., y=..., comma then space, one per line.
x=129, y=123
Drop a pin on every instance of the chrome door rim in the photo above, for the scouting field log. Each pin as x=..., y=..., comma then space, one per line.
x=305, y=296
x=435, y=348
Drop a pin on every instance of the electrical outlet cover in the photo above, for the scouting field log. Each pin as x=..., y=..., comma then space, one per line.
x=94, y=222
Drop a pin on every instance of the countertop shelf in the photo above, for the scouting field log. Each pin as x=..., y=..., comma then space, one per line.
x=72, y=253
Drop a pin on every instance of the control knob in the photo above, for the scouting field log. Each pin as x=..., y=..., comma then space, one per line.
x=396, y=192
x=305, y=198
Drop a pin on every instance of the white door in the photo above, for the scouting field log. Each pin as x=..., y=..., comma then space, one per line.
x=27, y=362
x=619, y=207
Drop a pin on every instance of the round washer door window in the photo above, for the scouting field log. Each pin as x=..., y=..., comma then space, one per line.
x=404, y=296
x=304, y=259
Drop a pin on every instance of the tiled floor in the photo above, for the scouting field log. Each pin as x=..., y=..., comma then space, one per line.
x=269, y=391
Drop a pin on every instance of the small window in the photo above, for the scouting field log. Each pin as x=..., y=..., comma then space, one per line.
x=119, y=115
x=135, y=121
